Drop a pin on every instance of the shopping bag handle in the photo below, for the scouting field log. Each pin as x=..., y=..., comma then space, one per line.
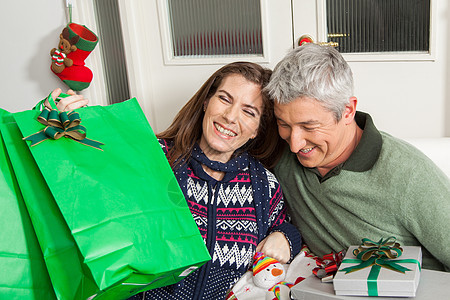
x=51, y=102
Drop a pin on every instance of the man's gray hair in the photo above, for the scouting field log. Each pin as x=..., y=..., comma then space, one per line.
x=313, y=71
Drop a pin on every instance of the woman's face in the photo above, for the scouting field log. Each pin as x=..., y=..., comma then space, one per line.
x=232, y=117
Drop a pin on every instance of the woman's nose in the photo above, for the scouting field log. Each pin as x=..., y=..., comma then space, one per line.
x=231, y=114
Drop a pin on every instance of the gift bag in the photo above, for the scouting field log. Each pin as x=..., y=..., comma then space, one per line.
x=23, y=273
x=118, y=196
x=58, y=245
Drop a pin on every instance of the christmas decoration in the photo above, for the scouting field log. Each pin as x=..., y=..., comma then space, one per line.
x=75, y=44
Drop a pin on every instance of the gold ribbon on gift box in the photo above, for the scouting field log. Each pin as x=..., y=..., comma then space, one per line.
x=381, y=254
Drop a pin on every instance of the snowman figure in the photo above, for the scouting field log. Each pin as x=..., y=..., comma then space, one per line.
x=267, y=271
x=269, y=274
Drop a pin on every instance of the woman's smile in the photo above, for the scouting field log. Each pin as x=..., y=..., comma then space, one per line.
x=225, y=131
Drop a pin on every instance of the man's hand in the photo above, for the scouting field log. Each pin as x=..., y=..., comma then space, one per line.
x=72, y=102
x=276, y=246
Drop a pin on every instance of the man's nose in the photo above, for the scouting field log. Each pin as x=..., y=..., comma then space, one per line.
x=297, y=141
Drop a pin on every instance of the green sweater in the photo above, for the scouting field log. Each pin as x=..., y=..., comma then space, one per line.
x=386, y=188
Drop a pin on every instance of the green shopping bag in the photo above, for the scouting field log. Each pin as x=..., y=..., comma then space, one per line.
x=69, y=275
x=120, y=199
x=23, y=273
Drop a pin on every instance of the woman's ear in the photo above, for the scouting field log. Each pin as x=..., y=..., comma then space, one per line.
x=255, y=134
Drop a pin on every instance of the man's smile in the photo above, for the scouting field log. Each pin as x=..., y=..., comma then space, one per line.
x=306, y=150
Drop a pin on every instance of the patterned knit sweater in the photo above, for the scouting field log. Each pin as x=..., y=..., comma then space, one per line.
x=226, y=214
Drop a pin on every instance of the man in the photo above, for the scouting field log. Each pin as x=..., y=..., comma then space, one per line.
x=343, y=179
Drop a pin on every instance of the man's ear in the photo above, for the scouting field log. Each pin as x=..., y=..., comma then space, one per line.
x=350, y=111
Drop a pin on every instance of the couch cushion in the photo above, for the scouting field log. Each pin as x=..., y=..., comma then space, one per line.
x=437, y=149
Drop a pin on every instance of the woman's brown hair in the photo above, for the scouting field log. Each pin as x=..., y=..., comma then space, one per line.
x=186, y=128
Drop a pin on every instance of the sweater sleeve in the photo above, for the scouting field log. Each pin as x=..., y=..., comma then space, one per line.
x=420, y=194
x=426, y=210
x=165, y=146
x=280, y=220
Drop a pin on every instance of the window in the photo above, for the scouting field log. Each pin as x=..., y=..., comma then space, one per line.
x=379, y=25
x=215, y=30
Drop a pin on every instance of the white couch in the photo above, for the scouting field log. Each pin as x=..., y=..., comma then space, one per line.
x=437, y=149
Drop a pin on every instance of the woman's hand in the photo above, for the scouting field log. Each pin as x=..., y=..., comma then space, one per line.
x=72, y=102
x=276, y=246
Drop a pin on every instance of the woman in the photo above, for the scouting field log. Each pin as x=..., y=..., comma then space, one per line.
x=215, y=145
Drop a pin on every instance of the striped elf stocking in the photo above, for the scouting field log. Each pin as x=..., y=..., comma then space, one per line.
x=77, y=76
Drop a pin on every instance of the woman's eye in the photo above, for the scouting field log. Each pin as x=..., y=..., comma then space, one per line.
x=223, y=98
x=249, y=112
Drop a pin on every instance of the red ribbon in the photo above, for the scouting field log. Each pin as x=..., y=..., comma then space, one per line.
x=328, y=264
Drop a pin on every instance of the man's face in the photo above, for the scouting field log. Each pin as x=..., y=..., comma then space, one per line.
x=314, y=135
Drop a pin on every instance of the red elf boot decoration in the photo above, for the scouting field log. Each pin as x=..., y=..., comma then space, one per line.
x=75, y=45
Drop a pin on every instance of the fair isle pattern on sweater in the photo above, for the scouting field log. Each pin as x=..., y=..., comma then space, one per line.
x=237, y=231
x=226, y=215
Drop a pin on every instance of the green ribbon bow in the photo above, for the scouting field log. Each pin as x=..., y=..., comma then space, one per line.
x=378, y=255
x=59, y=124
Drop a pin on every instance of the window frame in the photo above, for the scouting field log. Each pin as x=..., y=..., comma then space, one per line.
x=167, y=45
x=381, y=56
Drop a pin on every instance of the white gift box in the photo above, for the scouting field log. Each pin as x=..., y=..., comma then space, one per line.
x=434, y=285
x=388, y=283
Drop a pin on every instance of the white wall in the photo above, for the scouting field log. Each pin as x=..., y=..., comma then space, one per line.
x=29, y=30
x=406, y=98
x=445, y=14
x=418, y=104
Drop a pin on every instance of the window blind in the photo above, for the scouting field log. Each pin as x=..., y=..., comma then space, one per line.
x=379, y=25
x=215, y=27
x=113, y=54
